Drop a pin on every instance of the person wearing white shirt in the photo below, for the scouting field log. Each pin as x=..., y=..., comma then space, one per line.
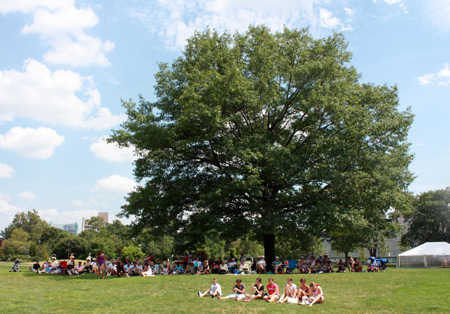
x=290, y=294
x=214, y=291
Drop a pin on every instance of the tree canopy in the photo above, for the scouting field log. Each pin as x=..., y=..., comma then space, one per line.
x=430, y=221
x=265, y=134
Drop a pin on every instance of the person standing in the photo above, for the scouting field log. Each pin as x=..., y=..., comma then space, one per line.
x=101, y=259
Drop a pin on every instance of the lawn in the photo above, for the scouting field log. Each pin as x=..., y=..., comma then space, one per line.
x=393, y=291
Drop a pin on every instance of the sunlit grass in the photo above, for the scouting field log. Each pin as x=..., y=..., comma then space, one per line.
x=393, y=291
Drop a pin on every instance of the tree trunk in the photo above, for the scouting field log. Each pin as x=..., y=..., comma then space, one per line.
x=373, y=251
x=269, y=250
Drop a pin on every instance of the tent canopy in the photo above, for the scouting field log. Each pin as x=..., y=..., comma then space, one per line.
x=429, y=248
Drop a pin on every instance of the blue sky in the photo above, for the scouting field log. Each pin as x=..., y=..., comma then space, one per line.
x=65, y=65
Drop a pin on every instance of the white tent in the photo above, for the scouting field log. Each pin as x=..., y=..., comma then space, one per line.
x=429, y=254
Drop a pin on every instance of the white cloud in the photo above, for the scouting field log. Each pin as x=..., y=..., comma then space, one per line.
x=31, y=143
x=28, y=6
x=442, y=77
x=111, y=152
x=60, y=97
x=176, y=20
x=399, y=3
x=27, y=195
x=349, y=11
x=7, y=211
x=438, y=13
x=62, y=26
x=327, y=20
x=70, y=216
x=6, y=171
x=115, y=184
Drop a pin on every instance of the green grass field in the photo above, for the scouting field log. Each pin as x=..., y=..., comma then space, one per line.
x=393, y=291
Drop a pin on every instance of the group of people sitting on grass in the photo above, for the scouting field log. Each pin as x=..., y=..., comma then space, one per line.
x=303, y=294
x=64, y=267
x=188, y=264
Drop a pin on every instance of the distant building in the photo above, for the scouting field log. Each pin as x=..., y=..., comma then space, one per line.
x=71, y=228
x=2, y=241
x=85, y=226
x=104, y=216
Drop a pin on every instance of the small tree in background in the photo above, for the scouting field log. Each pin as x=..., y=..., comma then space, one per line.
x=430, y=222
x=132, y=252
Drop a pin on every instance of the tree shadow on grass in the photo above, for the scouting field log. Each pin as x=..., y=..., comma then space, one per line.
x=57, y=277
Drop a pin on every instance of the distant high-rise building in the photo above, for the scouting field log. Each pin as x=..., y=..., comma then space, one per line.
x=104, y=216
x=71, y=228
x=85, y=226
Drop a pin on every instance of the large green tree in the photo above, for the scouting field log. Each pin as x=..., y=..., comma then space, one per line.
x=430, y=222
x=18, y=242
x=30, y=222
x=264, y=133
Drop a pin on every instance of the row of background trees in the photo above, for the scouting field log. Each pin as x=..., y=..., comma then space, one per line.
x=29, y=235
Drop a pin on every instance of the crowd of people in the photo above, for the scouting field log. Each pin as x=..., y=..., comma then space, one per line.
x=293, y=294
x=191, y=264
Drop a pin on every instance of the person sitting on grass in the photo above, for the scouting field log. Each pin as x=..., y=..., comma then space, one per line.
x=304, y=267
x=322, y=268
x=178, y=269
x=121, y=272
x=206, y=269
x=351, y=264
x=87, y=267
x=258, y=288
x=138, y=269
x=373, y=266
x=357, y=267
x=316, y=295
x=190, y=268
x=303, y=290
x=341, y=266
x=232, y=265
x=329, y=265
x=241, y=264
x=36, y=267
x=223, y=269
x=198, y=265
x=128, y=267
x=383, y=265
x=147, y=272
x=71, y=264
x=277, y=265
x=166, y=269
x=214, y=291
x=290, y=294
x=261, y=265
x=273, y=293
x=79, y=269
x=45, y=268
x=215, y=267
x=111, y=268
x=63, y=266
x=238, y=291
